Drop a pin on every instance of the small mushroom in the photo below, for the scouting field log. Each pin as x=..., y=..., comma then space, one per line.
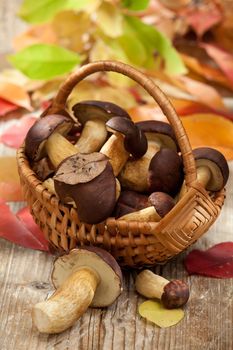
x=93, y=115
x=87, y=179
x=127, y=139
x=173, y=294
x=165, y=172
x=85, y=277
x=134, y=175
x=43, y=168
x=212, y=169
x=130, y=201
x=46, y=136
x=159, y=204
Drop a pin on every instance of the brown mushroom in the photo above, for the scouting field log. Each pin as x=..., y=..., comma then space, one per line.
x=127, y=139
x=43, y=168
x=85, y=277
x=46, y=136
x=159, y=204
x=212, y=169
x=130, y=201
x=165, y=172
x=173, y=294
x=134, y=175
x=87, y=179
x=93, y=115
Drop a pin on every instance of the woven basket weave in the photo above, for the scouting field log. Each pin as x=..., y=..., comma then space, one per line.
x=134, y=244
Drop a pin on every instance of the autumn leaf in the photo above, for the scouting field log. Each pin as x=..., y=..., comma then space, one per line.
x=216, y=261
x=109, y=20
x=223, y=59
x=10, y=188
x=14, y=230
x=15, y=134
x=146, y=112
x=15, y=94
x=41, y=61
x=6, y=107
x=210, y=130
x=135, y=5
x=155, y=312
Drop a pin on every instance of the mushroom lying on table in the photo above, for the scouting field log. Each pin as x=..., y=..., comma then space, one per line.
x=134, y=175
x=173, y=294
x=85, y=277
x=93, y=116
x=212, y=169
x=127, y=139
x=159, y=204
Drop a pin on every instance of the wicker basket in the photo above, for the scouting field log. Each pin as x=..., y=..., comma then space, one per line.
x=134, y=244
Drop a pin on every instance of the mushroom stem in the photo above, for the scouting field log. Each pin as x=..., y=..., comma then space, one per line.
x=68, y=303
x=173, y=294
x=147, y=214
x=92, y=137
x=114, y=149
x=134, y=175
x=59, y=148
x=150, y=285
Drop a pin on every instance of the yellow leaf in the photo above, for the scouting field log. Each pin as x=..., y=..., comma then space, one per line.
x=155, y=312
x=210, y=130
x=15, y=94
x=10, y=189
x=109, y=19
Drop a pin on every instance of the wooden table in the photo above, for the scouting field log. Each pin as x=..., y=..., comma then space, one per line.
x=24, y=280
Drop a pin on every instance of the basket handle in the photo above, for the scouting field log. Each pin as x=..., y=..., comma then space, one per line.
x=164, y=103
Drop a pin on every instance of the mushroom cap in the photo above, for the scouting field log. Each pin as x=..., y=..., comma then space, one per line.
x=39, y=133
x=175, y=294
x=135, y=141
x=88, y=110
x=99, y=260
x=89, y=180
x=130, y=201
x=217, y=164
x=165, y=172
x=155, y=129
x=162, y=202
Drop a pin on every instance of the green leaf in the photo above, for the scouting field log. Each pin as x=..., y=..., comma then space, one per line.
x=135, y=5
x=42, y=61
x=40, y=11
x=153, y=41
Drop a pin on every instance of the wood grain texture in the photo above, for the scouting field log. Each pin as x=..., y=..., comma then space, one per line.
x=25, y=280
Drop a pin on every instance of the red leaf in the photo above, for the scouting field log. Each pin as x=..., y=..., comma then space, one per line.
x=6, y=107
x=15, y=230
x=202, y=17
x=15, y=134
x=223, y=59
x=214, y=262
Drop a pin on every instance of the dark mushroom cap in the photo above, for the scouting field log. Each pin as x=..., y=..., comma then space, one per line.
x=88, y=110
x=39, y=133
x=217, y=164
x=97, y=259
x=165, y=172
x=130, y=201
x=135, y=141
x=43, y=168
x=162, y=202
x=175, y=294
x=89, y=180
x=155, y=129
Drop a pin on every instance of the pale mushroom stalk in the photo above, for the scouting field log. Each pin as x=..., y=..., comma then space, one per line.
x=173, y=294
x=58, y=148
x=143, y=215
x=68, y=303
x=203, y=176
x=87, y=276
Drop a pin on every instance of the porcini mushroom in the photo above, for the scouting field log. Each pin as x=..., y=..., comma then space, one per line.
x=87, y=179
x=46, y=136
x=173, y=294
x=93, y=115
x=130, y=201
x=165, y=172
x=159, y=205
x=127, y=139
x=212, y=169
x=134, y=175
x=85, y=277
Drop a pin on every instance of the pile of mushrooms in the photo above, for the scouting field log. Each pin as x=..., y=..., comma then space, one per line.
x=105, y=165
